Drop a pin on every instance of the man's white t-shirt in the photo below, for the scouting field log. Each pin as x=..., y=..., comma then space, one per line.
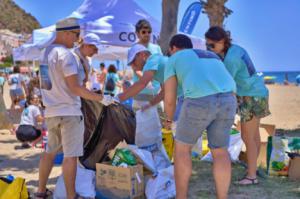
x=29, y=115
x=15, y=80
x=57, y=63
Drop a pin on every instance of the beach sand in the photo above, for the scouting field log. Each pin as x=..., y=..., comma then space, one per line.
x=284, y=105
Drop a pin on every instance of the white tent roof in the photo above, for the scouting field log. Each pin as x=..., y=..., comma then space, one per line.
x=108, y=19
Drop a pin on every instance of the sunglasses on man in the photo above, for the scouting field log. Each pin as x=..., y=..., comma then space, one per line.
x=76, y=33
x=146, y=31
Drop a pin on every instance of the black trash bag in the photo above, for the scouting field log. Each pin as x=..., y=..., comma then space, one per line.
x=116, y=123
x=91, y=111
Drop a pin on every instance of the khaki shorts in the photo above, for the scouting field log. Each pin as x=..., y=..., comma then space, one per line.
x=65, y=134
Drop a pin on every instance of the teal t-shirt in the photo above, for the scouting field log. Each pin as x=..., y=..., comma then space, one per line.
x=115, y=77
x=199, y=73
x=154, y=49
x=241, y=68
x=156, y=63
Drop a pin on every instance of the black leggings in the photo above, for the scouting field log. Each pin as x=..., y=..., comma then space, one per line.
x=27, y=133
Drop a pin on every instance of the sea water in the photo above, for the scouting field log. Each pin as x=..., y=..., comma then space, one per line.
x=280, y=76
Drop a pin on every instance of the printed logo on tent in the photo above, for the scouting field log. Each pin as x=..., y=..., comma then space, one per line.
x=131, y=37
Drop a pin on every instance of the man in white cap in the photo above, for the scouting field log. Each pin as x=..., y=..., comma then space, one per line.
x=62, y=86
x=152, y=66
x=90, y=45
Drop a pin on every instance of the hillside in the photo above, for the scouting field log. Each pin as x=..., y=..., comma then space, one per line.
x=14, y=18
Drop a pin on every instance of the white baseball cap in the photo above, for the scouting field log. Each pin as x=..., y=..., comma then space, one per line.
x=67, y=24
x=92, y=39
x=135, y=49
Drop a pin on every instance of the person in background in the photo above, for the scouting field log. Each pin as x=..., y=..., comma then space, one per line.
x=102, y=76
x=143, y=30
x=34, y=87
x=31, y=116
x=94, y=83
x=112, y=82
x=252, y=94
x=62, y=86
x=87, y=49
x=16, y=86
x=209, y=104
x=2, y=81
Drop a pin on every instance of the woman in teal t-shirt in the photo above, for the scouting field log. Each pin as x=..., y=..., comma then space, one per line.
x=252, y=94
x=112, y=81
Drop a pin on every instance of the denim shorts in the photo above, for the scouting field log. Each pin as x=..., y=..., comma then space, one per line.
x=16, y=92
x=178, y=108
x=214, y=113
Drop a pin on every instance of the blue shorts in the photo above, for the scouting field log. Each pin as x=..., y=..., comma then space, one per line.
x=214, y=113
x=16, y=92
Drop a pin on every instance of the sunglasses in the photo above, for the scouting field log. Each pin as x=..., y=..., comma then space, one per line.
x=210, y=46
x=77, y=33
x=146, y=31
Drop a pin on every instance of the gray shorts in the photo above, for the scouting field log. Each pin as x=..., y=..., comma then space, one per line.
x=214, y=113
x=65, y=134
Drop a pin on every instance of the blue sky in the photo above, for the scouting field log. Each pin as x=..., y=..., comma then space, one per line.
x=267, y=29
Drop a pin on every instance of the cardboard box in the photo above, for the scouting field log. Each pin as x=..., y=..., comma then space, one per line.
x=265, y=131
x=119, y=182
x=294, y=169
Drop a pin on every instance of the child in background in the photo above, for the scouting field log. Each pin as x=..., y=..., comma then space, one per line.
x=31, y=116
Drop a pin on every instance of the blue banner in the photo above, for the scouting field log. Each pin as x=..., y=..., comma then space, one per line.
x=190, y=18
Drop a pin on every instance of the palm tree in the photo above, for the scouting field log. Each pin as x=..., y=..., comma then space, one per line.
x=169, y=22
x=216, y=11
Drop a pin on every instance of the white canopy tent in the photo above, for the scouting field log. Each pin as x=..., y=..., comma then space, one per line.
x=108, y=19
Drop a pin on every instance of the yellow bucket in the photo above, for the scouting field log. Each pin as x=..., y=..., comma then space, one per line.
x=168, y=142
x=205, y=148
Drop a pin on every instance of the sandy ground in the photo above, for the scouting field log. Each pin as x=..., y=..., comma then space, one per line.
x=284, y=105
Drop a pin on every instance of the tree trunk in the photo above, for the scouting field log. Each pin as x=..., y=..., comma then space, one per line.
x=216, y=11
x=169, y=23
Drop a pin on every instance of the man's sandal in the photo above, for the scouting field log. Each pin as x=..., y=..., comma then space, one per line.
x=251, y=181
x=43, y=195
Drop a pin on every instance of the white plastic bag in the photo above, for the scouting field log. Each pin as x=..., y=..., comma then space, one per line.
x=148, y=127
x=144, y=156
x=235, y=148
x=84, y=185
x=163, y=186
